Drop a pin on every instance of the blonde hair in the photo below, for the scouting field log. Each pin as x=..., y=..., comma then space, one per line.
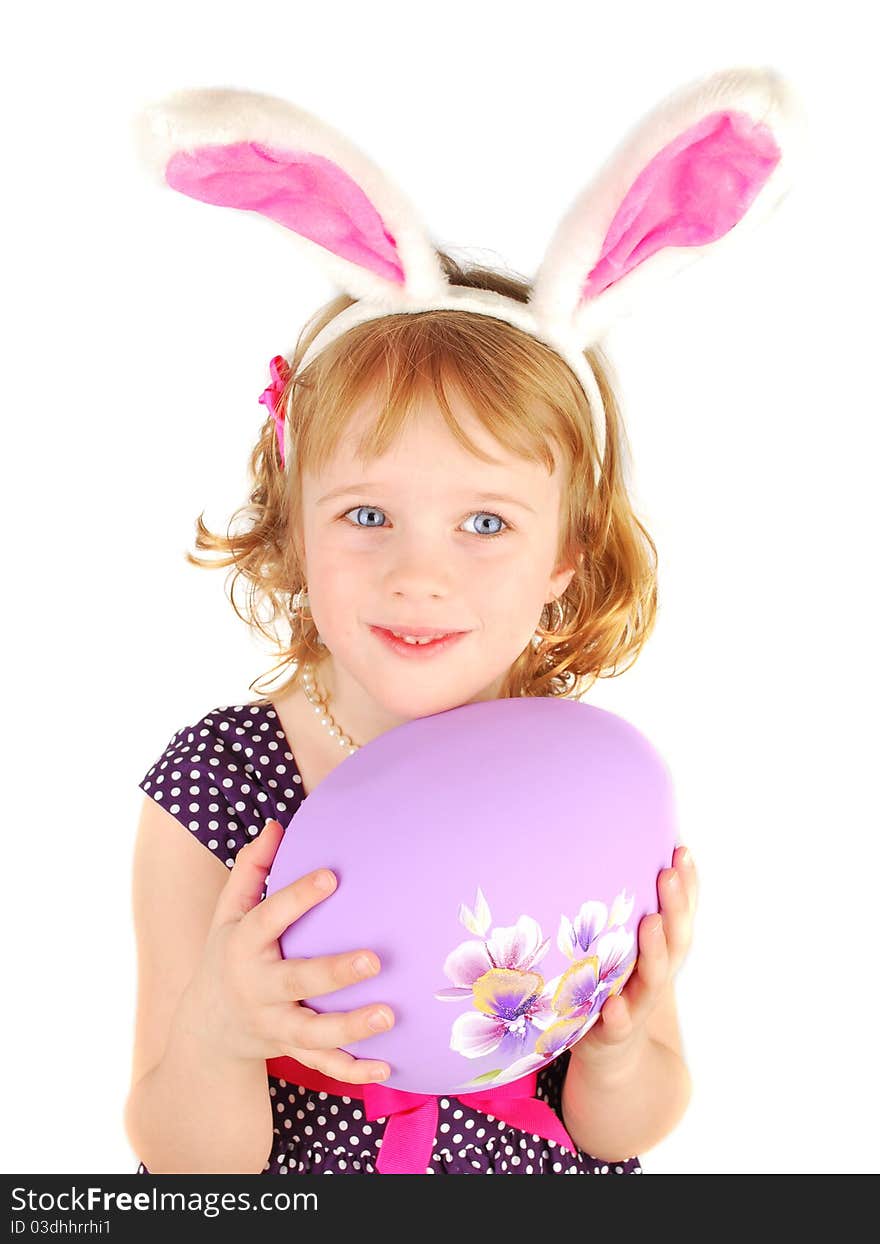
x=527, y=398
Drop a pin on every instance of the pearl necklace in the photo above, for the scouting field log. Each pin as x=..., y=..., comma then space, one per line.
x=321, y=707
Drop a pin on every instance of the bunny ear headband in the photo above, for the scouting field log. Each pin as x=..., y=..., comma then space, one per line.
x=710, y=161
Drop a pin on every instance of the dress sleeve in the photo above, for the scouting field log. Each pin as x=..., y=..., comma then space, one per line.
x=225, y=776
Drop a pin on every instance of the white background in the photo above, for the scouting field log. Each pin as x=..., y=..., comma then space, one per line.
x=140, y=325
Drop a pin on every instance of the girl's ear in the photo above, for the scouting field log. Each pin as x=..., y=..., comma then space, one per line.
x=261, y=154
x=711, y=161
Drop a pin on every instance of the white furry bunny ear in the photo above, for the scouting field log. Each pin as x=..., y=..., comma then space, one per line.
x=261, y=154
x=715, y=158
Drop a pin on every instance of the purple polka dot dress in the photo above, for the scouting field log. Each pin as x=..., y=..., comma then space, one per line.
x=222, y=778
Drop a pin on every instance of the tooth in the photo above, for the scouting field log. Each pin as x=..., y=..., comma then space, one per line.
x=411, y=639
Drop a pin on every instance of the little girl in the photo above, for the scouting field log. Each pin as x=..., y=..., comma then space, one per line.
x=442, y=457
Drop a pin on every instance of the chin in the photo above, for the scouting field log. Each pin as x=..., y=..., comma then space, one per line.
x=411, y=698
x=411, y=702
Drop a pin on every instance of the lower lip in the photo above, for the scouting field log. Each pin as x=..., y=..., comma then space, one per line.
x=417, y=651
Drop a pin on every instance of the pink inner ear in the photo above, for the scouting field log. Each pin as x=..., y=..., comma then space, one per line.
x=305, y=192
x=691, y=193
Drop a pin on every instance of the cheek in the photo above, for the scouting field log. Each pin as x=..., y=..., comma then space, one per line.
x=331, y=557
x=339, y=585
x=507, y=585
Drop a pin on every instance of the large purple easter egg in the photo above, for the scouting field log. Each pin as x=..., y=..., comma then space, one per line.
x=498, y=858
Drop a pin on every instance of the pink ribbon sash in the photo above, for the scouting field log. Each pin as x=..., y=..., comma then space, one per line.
x=412, y=1117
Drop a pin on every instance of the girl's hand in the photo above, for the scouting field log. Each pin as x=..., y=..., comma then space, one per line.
x=245, y=998
x=617, y=1037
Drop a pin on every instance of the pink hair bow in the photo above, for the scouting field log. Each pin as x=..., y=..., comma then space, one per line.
x=271, y=397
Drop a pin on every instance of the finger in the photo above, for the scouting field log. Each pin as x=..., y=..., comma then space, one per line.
x=676, y=914
x=616, y=1024
x=291, y=980
x=247, y=877
x=280, y=910
x=651, y=972
x=683, y=861
x=342, y=1066
x=311, y=1030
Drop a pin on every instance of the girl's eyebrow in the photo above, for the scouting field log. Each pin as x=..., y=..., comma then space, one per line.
x=366, y=486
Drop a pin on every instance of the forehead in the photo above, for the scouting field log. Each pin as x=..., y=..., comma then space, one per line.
x=423, y=445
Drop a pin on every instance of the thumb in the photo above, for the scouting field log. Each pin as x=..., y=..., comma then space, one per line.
x=247, y=877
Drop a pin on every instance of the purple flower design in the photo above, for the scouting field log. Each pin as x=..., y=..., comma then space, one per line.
x=517, y=948
x=550, y=1043
x=509, y=1005
x=519, y=1017
x=582, y=988
x=575, y=938
x=578, y=987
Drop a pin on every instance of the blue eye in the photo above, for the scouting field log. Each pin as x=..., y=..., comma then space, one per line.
x=490, y=535
x=374, y=509
x=371, y=509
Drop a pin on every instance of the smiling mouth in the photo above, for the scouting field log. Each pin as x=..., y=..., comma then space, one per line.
x=424, y=644
x=417, y=632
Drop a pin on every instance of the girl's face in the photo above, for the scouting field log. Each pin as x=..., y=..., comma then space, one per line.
x=411, y=541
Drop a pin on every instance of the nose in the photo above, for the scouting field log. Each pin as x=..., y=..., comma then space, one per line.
x=418, y=569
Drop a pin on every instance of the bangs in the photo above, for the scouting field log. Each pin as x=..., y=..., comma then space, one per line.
x=518, y=389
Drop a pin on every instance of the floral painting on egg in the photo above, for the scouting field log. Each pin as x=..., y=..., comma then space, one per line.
x=515, y=1012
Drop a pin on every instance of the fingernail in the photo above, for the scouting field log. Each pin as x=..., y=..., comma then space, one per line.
x=685, y=856
x=379, y=1021
x=364, y=965
x=324, y=881
x=379, y=1074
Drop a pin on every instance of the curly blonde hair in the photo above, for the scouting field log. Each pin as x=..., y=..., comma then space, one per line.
x=526, y=396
